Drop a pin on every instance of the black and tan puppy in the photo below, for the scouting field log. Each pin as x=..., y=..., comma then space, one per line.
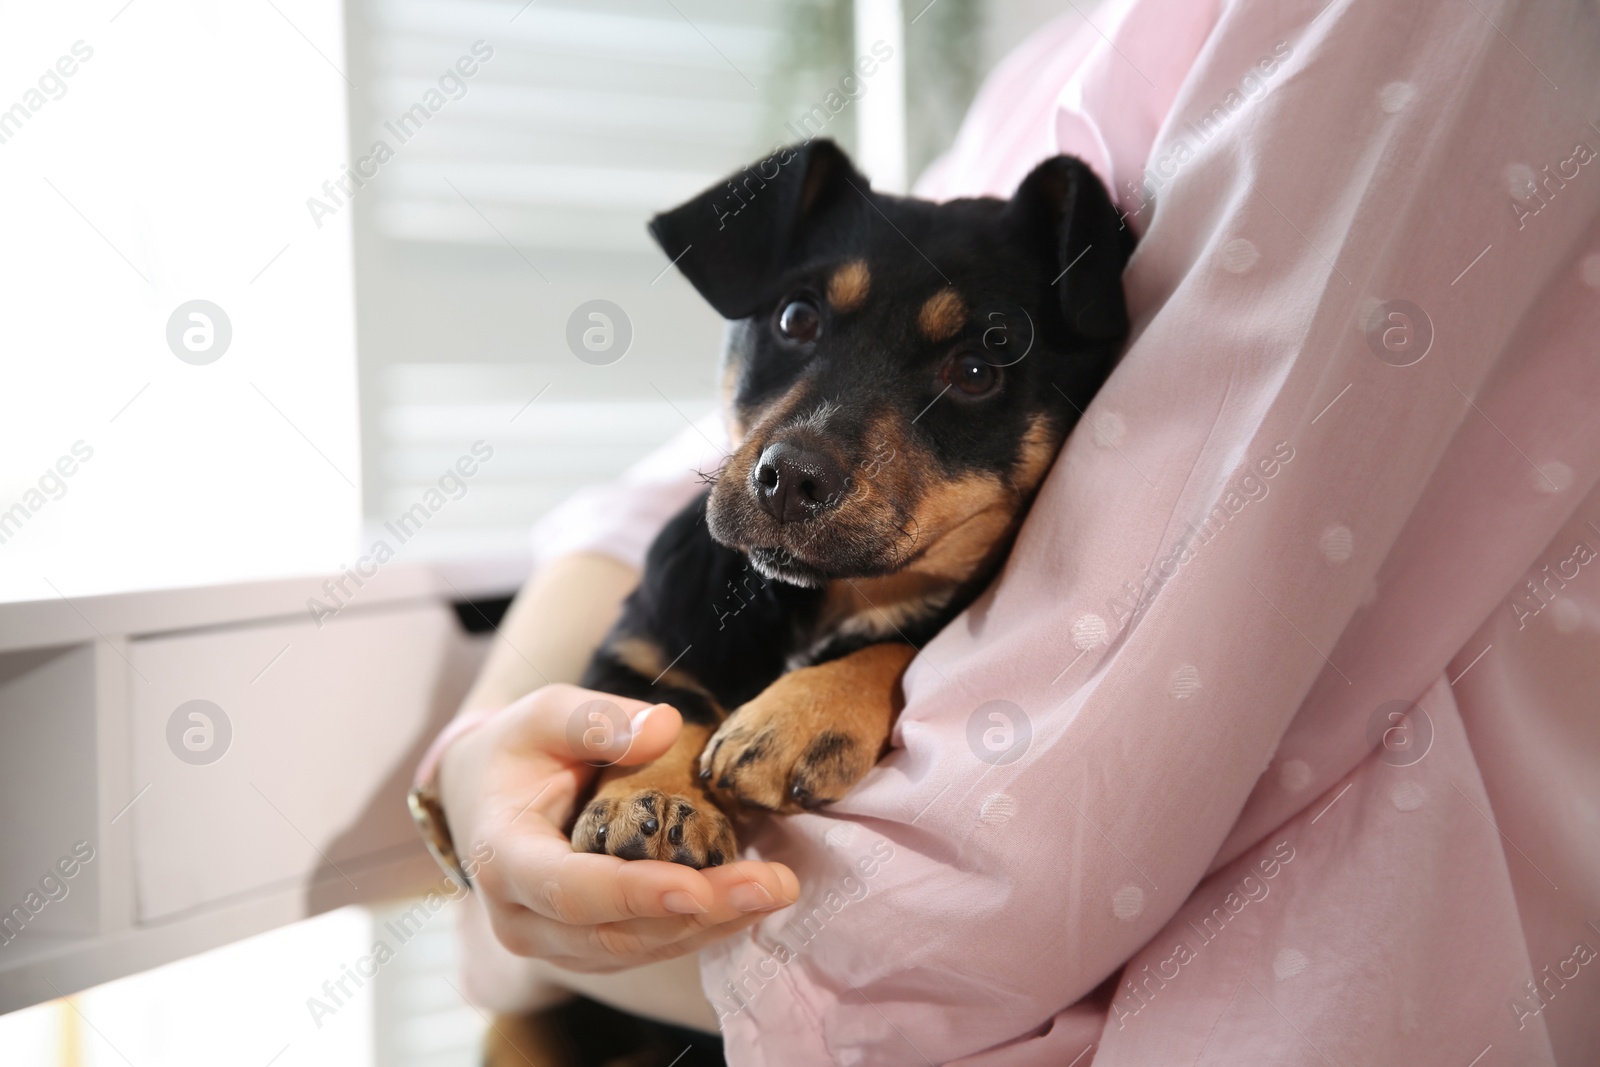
x=899, y=377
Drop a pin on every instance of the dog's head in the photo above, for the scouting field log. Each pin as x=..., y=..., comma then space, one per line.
x=899, y=374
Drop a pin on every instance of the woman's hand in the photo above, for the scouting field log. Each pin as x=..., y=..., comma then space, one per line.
x=511, y=785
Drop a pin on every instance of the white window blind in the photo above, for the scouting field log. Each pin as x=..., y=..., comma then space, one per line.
x=525, y=196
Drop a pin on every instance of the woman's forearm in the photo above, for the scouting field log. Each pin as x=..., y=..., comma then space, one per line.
x=552, y=628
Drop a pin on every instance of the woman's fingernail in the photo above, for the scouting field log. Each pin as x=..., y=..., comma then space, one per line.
x=751, y=896
x=681, y=903
x=637, y=722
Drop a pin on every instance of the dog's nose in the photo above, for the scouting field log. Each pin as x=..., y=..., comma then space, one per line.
x=794, y=483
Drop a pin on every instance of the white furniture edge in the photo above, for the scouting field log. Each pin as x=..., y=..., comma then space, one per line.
x=44, y=966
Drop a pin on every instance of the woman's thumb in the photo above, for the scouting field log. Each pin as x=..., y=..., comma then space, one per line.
x=653, y=730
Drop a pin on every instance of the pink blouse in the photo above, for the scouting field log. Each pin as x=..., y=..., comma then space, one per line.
x=1277, y=740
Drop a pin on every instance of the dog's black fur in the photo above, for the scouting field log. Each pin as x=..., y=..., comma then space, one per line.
x=880, y=469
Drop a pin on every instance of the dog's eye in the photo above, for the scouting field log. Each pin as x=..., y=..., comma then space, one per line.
x=972, y=375
x=799, y=322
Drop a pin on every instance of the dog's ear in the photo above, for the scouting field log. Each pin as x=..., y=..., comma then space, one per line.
x=1063, y=207
x=734, y=240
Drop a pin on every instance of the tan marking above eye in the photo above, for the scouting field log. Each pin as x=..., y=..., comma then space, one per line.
x=942, y=316
x=847, y=289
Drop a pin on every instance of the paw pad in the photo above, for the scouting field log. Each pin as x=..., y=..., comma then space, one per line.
x=628, y=823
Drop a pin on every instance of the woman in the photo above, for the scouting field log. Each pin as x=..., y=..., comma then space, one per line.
x=1300, y=631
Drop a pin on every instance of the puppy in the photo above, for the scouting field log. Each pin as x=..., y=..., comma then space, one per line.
x=898, y=379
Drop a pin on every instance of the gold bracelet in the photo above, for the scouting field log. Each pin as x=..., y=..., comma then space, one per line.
x=428, y=814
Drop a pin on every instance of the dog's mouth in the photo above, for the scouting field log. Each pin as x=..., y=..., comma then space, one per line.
x=780, y=564
x=839, y=542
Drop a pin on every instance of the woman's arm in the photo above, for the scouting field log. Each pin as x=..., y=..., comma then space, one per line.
x=553, y=627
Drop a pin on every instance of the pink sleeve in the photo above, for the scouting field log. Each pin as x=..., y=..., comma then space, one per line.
x=1249, y=756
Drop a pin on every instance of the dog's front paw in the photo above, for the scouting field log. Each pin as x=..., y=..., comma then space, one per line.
x=760, y=758
x=639, y=822
x=809, y=736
